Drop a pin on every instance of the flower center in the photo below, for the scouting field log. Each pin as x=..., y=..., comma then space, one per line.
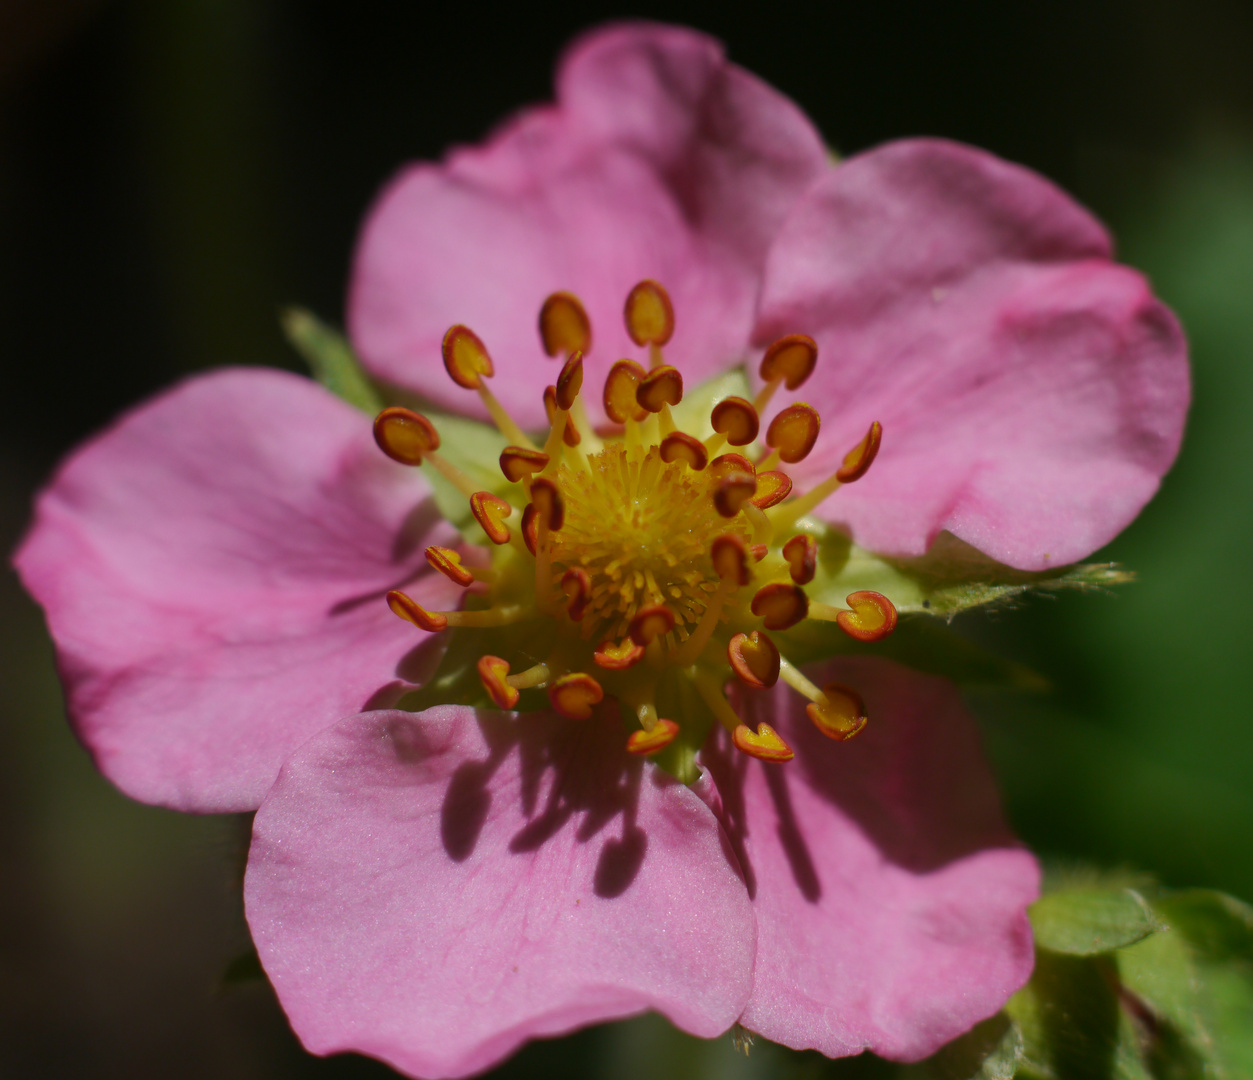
x=641, y=555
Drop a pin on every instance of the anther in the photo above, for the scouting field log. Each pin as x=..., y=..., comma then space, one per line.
x=575, y=695
x=650, y=623
x=577, y=586
x=790, y=360
x=862, y=456
x=679, y=446
x=623, y=380
x=758, y=551
x=780, y=605
x=490, y=511
x=649, y=314
x=644, y=743
x=570, y=381
x=611, y=657
x=729, y=555
x=530, y=528
x=404, y=435
x=726, y=464
x=732, y=492
x=801, y=553
x=754, y=659
x=411, y=611
x=772, y=488
x=469, y=365
x=660, y=387
x=492, y=674
x=765, y=743
x=448, y=563
x=550, y=508
x=563, y=325
x=517, y=462
x=736, y=420
x=871, y=618
x=793, y=432
x=839, y=714
x=570, y=435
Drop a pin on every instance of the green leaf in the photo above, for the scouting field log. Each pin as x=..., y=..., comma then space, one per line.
x=992, y=1050
x=1086, y=921
x=331, y=359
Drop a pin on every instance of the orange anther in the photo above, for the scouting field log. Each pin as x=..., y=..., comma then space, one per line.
x=563, y=325
x=791, y=359
x=618, y=657
x=492, y=673
x=404, y=435
x=732, y=492
x=726, y=464
x=650, y=623
x=794, y=431
x=448, y=563
x=736, y=419
x=570, y=436
x=411, y=611
x=661, y=386
x=758, y=551
x=490, y=511
x=550, y=508
x=578, y=588
x=621, y=384
x=861, y=456
x=644, y=743
x=679, y=446
x=772, y=488
x=575, y=695
x=519, y=461
x=872, y=618
x=570, y=381
x=754, y=658
x=649, y=314
x=764, y=744
x=530, y=528
x=842, y=715
x=730, y=558
x=780, y=606
x=466, y=358
x=801, y=553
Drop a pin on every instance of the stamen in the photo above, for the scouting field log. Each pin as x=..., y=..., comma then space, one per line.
x=726, y=464
x=793, y=432
x=448, y=563
x=490, y=511
x=434, y=621
x=563, y=325
x=780, y=606
x=801, y=553
x=618, y=657
x=468, y=364
x=772, y=488
x=679, y=446
x=536, y=675
x=550, y=508
x=765, y=743
x=729, y=556
x=734, y=420
x=789, y=360
x=404, y=435
x=650, y=623
x=492, y=673
x=517, y=462
x=660, y=387
x=872, y=618
x=732, y=492
x=661, y=735
x=570, y=381
x=856, y=462
x=840, y=714
x=570, y=434
x=623, y=380
x=575, y=695
x=649, y=317
x=754, y=658
x=577, y=586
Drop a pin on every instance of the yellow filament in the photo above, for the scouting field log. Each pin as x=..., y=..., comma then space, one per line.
x=792, y=676
x=495, y=616
x=786, y=513
x=451, y=473
x=532, y=676
x=826, y=612
x=709, y=687
x=766, y=393
x=503, y=421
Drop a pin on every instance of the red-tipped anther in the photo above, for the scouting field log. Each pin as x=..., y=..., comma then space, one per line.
x=466, y=358
x=726, y=464
x=754, y=659
x=649, y=314
x=736, y=419
x=448, y=563
x=611, y=657
x=758, y=551
x=661, y=386
x=563, y=325
x=519, y=461
x=490, y=512
x=679, y=446
x=772, y=488
x=621, y=383
x=570, y=381
x=730, y=558
x=492, y=674
x=530, y=528
x=872, y=617
x=765, y=743
x=578, y=589
x=780, y=606
x=801, y=553
x=644, y=743
x=732, y=492
x=550, y=508
x=570, y=436
x=791, y=359
x=404, y=435
x=411, y=611
x=842, y=715
x=861, y=456
x=651, y=622
x=575, y=695
x=794, y=431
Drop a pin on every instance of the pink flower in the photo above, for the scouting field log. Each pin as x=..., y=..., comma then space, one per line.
x=433, y=888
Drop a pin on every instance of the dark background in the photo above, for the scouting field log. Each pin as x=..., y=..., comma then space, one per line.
x=173, y=171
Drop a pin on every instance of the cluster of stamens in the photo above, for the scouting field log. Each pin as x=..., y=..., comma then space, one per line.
x=647, y=548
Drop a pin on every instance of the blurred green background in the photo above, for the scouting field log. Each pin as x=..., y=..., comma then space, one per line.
x=172, y=171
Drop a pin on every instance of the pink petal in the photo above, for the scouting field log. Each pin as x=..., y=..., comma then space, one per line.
x=890, y=896
x=1032, y=392
x=660, y=159
x=434, y=889
x=213, y=570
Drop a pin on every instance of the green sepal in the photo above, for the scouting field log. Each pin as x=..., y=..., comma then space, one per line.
x=1087, y=920
x=330, y=359
x=991, y=1050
